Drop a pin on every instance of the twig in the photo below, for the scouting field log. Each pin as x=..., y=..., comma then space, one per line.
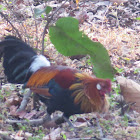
x=48, y=22
x=35, y=25
x=108, y=7
x=34, y=122
x=46, y=122
x=11, y=24
x=24, y=101
x=25, y=32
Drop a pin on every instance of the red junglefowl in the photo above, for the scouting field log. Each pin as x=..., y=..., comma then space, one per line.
x=59, y=87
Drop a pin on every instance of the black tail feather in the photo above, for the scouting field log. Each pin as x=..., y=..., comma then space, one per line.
x=18, y=57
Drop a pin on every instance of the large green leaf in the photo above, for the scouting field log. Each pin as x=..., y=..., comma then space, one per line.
x=69, y=41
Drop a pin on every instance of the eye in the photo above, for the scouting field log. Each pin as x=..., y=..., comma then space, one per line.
x=98, y=86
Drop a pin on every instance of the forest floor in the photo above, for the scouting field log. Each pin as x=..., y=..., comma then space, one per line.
x=116, y=27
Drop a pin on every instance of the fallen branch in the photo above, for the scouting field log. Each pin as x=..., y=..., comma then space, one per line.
x=35, y=122
x=47, y=122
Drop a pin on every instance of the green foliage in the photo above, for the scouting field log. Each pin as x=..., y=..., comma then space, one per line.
x=89, y=62
x=42, y=16
x=138, y=18
x=107, y=125
x=125, y=121
x=63, y=136
x=69, y=41
x=2, y=8
x=38, y=12
x=136, y=71
x=23, y=127
x=89, y=131
x=48, y=9
x=119, y=70
x=1, y=95
x=117, y=89
x=112, y=102
x=138, y=134
x=10, y=128
x=39, y=137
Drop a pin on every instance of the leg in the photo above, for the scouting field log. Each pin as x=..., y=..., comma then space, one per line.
x=24, y=101
x=68, y=121
x=36, y=103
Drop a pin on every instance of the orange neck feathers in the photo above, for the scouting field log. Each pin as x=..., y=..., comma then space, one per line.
x=88, y=95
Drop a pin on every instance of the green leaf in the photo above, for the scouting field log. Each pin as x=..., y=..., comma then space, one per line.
x=69, y=41
x=42, y=15
x=2, y=7
x=138, y=18
x=38, y=12
x=64, y=136
x=48, y=9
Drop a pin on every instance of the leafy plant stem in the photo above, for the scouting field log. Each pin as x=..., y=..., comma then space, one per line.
x=48, y=22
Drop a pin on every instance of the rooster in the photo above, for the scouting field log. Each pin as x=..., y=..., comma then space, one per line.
x=59, y=87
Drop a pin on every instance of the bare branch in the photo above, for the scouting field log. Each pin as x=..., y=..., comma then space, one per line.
x=35, y=25
x=46, y=122
x=25, y=32
x=11, y=24
x=34, y=122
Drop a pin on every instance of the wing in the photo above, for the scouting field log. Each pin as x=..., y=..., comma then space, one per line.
x=49, y=80
x=39, y=80
x=41, y=77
